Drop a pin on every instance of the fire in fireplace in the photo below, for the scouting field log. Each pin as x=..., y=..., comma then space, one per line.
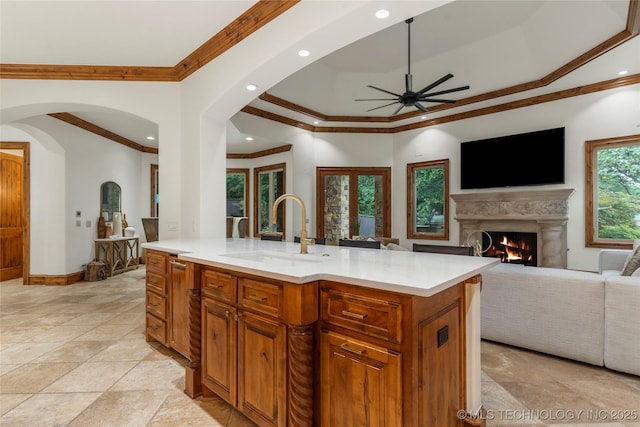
x=511, y=247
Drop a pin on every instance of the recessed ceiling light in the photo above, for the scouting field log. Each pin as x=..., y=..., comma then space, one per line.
x=251, y=87
x=151, y=138
x=315, y=122
x=304, y=53
x=622, y=73
x=382, y=14
x=248, y=138
x=423, y=117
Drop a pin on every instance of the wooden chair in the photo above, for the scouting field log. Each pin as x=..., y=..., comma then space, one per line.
x=150, y=226
x=370, y=244
x=276, y=237
x=437, y=249
x=229, y=226
x=319, y=240
x=242, y=227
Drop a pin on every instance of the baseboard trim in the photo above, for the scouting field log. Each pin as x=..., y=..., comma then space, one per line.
x=61, y=280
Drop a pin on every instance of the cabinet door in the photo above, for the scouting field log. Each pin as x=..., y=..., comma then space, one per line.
x=180, y=282
x=219, y=355
x=262, y=379
x=361, y=384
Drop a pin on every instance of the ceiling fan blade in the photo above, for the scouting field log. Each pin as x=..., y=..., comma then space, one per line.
x=377, y=99
x=420, y=107
x=408, y=82
x=457, y=89
x=382, y=90
x=382, y=106
x=448, y=101
x=436, y=83
x=399, y=108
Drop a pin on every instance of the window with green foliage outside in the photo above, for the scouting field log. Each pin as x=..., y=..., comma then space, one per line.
x=613, y=191
x=427, y=197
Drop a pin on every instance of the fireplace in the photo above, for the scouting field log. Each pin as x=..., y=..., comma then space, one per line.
x=543, y=213
x=511, y=247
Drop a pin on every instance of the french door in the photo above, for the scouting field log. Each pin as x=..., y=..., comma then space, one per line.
x=353, y=201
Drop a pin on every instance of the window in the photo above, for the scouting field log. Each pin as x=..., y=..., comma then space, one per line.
x=428, y=200
x=353, y=202
x=237, y=192
x=612, y=190
x=269, y=184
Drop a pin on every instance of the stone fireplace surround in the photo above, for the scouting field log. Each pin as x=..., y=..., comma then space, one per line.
x=544, y=212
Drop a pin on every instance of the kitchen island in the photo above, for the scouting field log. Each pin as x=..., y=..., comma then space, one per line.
x=338, y=336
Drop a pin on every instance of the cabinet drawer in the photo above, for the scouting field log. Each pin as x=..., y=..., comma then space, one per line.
x=375, y=317
x=157, y=305
x=156, y=263
x=219, y=285
x=156, y=283
x=157, y=328
x=264, y=297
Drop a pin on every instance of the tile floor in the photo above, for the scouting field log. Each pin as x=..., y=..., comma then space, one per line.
x=76, y=356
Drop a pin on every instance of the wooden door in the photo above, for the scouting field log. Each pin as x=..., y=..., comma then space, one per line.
x=361, y=384
x=262, y=373
x=441, y=369
x=219, y=349
x=12, y=225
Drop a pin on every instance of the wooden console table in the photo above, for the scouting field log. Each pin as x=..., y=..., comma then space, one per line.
x=119, y=254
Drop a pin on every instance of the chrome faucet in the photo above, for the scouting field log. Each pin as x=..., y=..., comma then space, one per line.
x=304, y=242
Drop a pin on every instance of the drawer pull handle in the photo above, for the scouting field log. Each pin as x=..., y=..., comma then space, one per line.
x=257, y=298
x=227, y=314
x=353, y=315
x=345, y=346
x=179, y=265
x=214, y=286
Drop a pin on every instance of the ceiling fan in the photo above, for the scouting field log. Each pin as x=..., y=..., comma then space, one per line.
x=410, y=98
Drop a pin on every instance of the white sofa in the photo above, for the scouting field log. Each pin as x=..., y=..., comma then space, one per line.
x=589, y=317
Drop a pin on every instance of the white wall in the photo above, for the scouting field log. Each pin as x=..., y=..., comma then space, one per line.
x=600, y=115
x=68, y=166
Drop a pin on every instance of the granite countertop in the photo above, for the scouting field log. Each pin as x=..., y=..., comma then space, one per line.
x=414, y=273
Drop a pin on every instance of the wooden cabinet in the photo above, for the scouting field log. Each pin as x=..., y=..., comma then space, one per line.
x=361, y=384
x=262, y=369
x=389, y=359
x=172, y=303
x=251, y=339
x=156, y=297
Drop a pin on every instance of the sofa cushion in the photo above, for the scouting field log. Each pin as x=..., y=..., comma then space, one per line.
x=622, y=324
x=632, y=263
x=551, y=310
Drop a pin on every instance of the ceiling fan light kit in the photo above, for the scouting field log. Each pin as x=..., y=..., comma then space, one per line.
x=410, y=98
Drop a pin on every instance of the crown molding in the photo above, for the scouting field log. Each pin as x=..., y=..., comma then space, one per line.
x=260, y=14
x=90, y=127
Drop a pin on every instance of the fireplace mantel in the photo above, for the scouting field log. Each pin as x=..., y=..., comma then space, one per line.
x=544, y=212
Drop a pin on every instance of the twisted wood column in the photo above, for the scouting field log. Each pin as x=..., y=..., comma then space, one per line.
x=193, y=382
x=300, y=356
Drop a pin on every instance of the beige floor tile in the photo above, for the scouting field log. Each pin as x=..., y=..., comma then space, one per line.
x=18, y=334
x=154, y=375
x=74, y=351
x=9, y=401
x=26, y=352
x=122, y=408
x=12, y=320
x=106, y=333
x=179, y=409
x=33, y=377
x=502, y=408
x=135, y=350
x=62, y=333
x=48, y=410
x=90, y=377
x=91, y=319
x=7, y=368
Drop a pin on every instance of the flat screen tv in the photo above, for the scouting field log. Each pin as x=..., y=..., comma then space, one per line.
x=533, y=158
